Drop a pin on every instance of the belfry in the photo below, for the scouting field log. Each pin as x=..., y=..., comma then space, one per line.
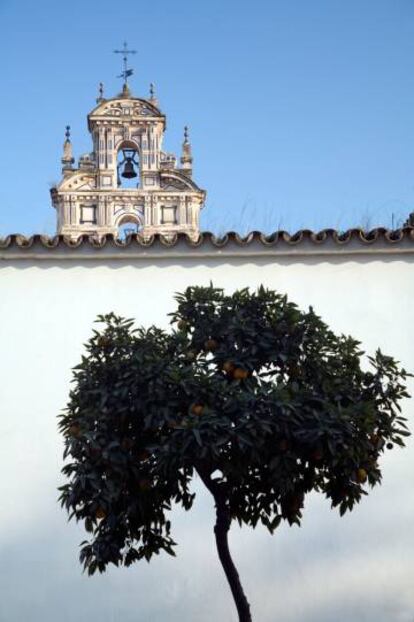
x=127, y=184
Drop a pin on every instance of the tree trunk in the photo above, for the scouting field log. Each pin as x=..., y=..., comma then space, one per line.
x=221, y=530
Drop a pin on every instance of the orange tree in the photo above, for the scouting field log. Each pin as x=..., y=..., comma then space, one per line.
x=261, y=400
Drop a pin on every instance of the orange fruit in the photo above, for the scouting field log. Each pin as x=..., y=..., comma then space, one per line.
x=100, y=513
x=74, y=430
x=361, y=476
x=240, y=374
x=375, y=439
x=211, y=345
x=144, y=484
x=103, y=341
x=228, y=367
x=197, y=409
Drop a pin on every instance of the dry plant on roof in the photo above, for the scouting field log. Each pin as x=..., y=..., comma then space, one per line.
x=258, y=399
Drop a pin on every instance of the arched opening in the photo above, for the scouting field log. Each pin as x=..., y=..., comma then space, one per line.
x=129, y=225
x=128, y=166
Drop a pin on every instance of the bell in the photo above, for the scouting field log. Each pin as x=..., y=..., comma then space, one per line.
x=129, y=171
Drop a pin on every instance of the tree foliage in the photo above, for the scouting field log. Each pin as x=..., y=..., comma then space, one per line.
x=260, y=399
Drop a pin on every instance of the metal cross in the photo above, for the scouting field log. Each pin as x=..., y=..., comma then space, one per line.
x=126, y=72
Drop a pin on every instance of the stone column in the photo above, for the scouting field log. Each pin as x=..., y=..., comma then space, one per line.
x=156, y=211
x=66, y=211
x=147, y=210
x=101, y=152
x=182, y=216
x=101, y=216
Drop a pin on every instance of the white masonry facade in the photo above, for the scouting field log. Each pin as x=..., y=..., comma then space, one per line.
x=127, y=183
x=52, y=289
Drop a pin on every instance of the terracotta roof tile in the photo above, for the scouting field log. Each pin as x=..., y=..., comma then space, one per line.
x=280, y=238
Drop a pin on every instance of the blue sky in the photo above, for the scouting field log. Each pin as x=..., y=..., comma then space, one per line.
x=301, y=113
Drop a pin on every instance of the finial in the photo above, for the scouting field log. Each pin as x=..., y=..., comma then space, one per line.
x=152, y=98
x=67, y=159
x=126, y=73
x=100, y=97
x=125, y=90
x=186, y=157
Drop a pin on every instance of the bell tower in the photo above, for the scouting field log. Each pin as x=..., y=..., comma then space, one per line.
x=127, y=181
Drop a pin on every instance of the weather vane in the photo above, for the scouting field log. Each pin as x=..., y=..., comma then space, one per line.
x=126, y=72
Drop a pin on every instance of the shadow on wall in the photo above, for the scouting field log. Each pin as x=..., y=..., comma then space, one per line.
x=331, y=569
x=192, y=261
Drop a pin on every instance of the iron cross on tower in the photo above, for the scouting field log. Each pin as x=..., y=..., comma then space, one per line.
x=126, y=72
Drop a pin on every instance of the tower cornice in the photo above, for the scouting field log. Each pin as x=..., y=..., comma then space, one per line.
x=112, y=111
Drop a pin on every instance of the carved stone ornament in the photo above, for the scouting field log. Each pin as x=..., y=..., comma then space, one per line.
x=126, y=170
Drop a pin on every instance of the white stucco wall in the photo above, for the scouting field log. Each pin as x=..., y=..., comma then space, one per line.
x=357, y=568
